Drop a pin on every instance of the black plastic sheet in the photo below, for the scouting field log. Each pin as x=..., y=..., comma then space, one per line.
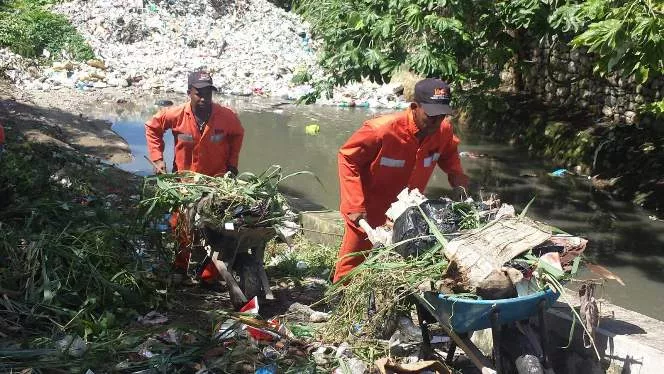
x=411, y=224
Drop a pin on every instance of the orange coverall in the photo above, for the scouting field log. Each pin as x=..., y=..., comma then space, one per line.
x=209, y=153
x=377, y=162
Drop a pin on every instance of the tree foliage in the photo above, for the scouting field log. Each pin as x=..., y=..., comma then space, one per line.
x=28, y=28
x=627, y=36
x=375, y=38
x=472, y=40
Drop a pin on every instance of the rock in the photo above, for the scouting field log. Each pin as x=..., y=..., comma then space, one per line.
x=562, y=92
x=630, y=117
x=574, y=54
x=300, y=312
x=607, y=111
x=571, y=67
x=549, y=87
x=318, y=317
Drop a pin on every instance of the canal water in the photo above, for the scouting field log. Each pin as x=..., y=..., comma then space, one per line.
x=622, y=237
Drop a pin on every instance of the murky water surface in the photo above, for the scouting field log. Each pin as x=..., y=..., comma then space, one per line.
x=622, y=236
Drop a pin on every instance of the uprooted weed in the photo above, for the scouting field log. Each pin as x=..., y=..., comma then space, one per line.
x=366, y=298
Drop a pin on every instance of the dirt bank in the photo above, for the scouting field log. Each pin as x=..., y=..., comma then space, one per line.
x=64, y=118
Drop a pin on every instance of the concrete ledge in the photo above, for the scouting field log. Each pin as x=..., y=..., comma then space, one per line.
x=628, y=342
x=323, y=227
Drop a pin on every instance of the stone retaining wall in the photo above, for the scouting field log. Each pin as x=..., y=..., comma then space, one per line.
x=561, y=76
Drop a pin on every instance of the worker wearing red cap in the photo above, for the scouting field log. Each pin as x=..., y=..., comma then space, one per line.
x=388, y=154
x=208, y=138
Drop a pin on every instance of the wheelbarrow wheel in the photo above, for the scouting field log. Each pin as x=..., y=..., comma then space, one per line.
x=528, y=364
x=518, y=353
x=247, y=270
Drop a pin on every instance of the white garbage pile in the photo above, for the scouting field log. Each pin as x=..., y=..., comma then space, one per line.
x=251, y=47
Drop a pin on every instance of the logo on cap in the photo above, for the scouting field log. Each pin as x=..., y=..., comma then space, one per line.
x=442, y=93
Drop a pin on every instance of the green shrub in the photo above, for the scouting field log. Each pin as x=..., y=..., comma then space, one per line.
x=28, y=29
x=301, y=77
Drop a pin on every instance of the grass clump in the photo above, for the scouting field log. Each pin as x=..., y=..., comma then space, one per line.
x=302, y=259
x=385, y=279
x=28, y=28
x=70, y=259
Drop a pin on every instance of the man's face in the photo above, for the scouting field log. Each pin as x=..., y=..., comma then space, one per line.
x=427, y=124
x=201, y=98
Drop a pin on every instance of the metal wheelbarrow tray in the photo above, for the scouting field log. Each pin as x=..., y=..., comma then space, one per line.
x=461, y=316
x=227, y=246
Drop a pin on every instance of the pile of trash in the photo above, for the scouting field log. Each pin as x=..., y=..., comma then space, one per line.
x=367, y=94
x=249, y=46
x=480, y=250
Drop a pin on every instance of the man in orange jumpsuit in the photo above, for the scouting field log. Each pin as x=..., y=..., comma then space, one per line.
x=388, y=154
x=208, y=138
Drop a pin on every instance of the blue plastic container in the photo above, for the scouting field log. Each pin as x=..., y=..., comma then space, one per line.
x=464, y=315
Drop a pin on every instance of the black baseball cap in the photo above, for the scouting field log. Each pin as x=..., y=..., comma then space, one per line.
x=434, y=96
x=200, y=79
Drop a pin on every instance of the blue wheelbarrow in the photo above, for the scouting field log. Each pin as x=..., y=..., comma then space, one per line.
x=459, y=317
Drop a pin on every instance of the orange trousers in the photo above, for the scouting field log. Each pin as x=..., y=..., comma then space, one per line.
x=209, y=272
x=355, y=240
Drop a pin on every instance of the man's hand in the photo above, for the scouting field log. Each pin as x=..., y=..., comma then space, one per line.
x=159, y=167
x=356, y=217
